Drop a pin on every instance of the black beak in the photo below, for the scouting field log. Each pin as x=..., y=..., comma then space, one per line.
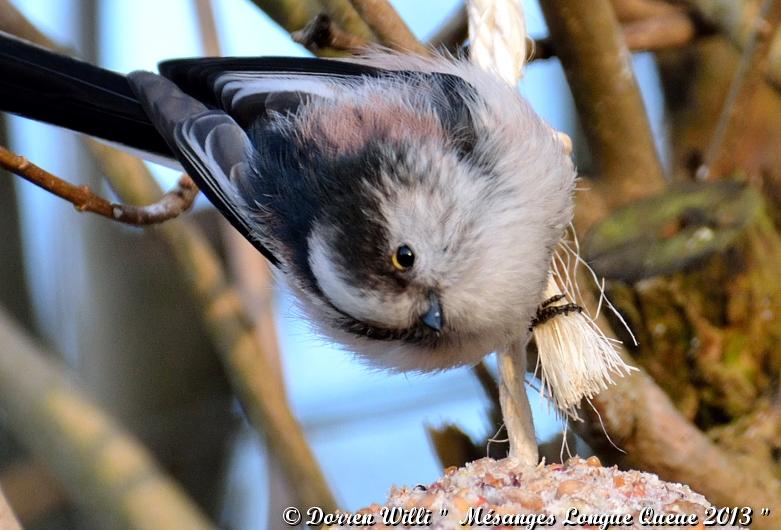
x=433, y=317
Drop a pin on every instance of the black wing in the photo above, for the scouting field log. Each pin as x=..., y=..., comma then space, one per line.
x=248, y=88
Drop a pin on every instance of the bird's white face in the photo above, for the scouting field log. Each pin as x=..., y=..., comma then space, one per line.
x=456, y=269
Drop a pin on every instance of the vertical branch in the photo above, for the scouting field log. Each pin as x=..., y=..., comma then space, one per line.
x=589, y=44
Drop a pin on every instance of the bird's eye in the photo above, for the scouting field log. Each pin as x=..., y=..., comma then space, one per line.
x=403, y=259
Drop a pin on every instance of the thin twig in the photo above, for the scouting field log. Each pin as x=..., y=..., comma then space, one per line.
x=321, y=32
x=170, y=205
x=735, y=89
x=208, y=28
x=735, y=19
x=389, y=27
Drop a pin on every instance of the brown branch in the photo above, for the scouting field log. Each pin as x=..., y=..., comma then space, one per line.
x=389, y=27
x=321, y=32
x=293, y=15
x=453, y=32
x=658, y=29
x=207, y=28
x=735, y=19
x=170, y=205
x=640, y=418
x=344, y=15
x=103, y=467
x=290, y=14
x=588, y=42
x=670, y=30
x=636, y=10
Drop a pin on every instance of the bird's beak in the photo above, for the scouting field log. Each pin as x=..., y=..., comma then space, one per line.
x=433, y=317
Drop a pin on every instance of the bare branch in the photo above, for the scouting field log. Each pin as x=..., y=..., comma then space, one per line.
x=671, y=30
x=651, y=32
x=347, y=18
x=293, y=15
x=210, y=40
x=104, y=467
x=290, y=14
x=32, y=490
x=171, y=205
x=641, y=419
x=389, y=27
x=636, y=10
x=321, y=32
x=588, y=42
x=736, y=19
x=453, y=32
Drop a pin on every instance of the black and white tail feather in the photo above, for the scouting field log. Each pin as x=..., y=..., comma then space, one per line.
x=328, y=167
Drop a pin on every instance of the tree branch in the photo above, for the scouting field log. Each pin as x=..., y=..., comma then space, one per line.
x=453, y=32
x=343, y=13
x=588, y=42
x=640, y=418
x=293, y=15
x=105, y=468
x=735, y=19
x=657, y=29
x=321, y=32
x=635, y=10
x=389, y=27
x=290, y=14
x=171, y=205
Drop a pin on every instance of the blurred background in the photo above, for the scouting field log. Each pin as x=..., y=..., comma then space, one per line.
x=112, y=303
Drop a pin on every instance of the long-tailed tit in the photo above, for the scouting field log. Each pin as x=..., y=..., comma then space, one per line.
x=412, y=204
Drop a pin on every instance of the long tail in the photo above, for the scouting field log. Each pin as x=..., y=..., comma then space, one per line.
x=45, y=86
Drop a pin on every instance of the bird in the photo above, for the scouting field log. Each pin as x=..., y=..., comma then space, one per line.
x=411, y=204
